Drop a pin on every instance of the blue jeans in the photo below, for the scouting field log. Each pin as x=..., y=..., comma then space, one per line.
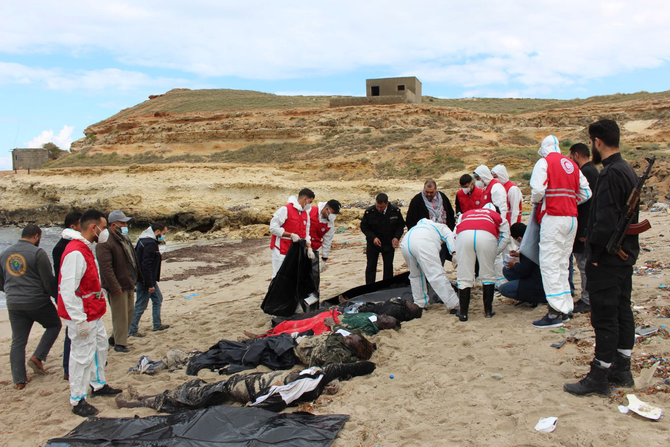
x=141, y=301
x=511, y=288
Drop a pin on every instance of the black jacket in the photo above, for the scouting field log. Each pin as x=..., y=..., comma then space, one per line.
x=584, y=210
x=530, y=281
x=57, y=255
x=417, y=211
x=385, y=226
x=149, y=259
x=615, y=183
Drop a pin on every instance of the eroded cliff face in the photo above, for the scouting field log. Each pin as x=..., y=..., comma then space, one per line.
x=217, y=171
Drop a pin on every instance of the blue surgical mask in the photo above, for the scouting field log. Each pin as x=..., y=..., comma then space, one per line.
x=161, y=238
x=124, y=231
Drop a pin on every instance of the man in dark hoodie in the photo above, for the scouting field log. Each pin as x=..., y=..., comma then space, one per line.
x=149, y=260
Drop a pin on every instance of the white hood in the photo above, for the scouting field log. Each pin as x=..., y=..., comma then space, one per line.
x=501, y=172
x=71, y=235
x=294, y=201
x=483, y=172
x=489, y=206
x=149, y=232
x=549, y=145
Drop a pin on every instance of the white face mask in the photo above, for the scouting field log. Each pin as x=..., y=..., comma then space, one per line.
x=480, y=184
x=103, y=236
x=332, y=217
x=466, y=190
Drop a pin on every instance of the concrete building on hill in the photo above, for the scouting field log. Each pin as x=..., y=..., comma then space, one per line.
x=29, y=158
x=385, y=91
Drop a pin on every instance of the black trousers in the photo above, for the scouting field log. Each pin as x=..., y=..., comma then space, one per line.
x=22, y=322
x=372, y=254
x=611, y=314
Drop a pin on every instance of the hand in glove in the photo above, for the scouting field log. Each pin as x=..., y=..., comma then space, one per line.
x=310, y=254
x=323, y=266
x=454, y=261
x=295, y=237
x=83, y=329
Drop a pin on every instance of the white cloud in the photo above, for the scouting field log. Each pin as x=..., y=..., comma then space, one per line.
x=63, y=140
x=83, y=80
x=470, y=44
x=6, y=163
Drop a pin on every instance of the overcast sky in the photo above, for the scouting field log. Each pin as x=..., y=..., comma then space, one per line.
x=65, y=65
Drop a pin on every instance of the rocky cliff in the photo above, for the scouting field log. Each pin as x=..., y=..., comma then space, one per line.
x=213, y=161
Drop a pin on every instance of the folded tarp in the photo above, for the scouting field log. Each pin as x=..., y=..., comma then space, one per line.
x=230, y=357
x=292, y=283
x=214, y=426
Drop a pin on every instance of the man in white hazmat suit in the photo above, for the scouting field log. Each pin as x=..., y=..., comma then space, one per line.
x=421, y=249
x=493, y=191
x=558, y=186
x=481, y=235
x=290, y=223
x=81, y=304
x=514, y=203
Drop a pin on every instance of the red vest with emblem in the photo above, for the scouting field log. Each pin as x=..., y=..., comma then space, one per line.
x=486, y=195
x=89, y=289
x=480, y=219
x=507, y=186
x=317, y=229
x=296, y=222
x=470, y=202
x=560, y=197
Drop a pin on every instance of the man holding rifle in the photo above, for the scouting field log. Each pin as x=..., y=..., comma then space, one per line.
x=609, y=267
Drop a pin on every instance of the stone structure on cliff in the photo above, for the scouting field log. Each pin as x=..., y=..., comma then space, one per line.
x=29, y=158
x=385, y=91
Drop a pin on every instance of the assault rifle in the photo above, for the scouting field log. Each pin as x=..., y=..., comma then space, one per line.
x=625, y=226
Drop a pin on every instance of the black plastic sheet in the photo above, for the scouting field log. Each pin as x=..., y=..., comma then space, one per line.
x=292, y=283
x=389, y=288
x=214, y=426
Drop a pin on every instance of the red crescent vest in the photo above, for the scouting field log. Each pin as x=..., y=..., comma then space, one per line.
x=560, y=197
x=480, y=219
x=89, y=289
x=296, y=222
x=317, y=229
x=486, y=195
x=507, y=186
x=470, y=202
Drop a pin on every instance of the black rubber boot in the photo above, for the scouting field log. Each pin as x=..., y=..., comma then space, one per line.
x=594, y=383
x=464, y=300
x=345, y=371
x=488, y=291
x=619, y=373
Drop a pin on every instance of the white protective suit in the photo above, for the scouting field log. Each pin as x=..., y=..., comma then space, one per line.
x=88, y=356
x=498, y=193
x=421, y=249
x=277, y=229
x=473, y=245
x=514, y=198
x=557, y=233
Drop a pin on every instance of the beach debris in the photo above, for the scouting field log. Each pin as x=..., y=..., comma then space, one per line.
x=642, y=408
x=190, y=296
x=547, y=425
x=559, y=344
x=644, y=331
x=644, y=380
x=391, y=376
x=497, y=376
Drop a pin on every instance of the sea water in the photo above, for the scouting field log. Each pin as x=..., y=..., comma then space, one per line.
x=11, y=235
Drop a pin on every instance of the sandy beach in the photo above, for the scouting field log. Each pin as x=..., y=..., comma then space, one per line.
x=484, y=382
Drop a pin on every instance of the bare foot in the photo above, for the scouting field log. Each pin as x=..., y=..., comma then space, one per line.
x=120, y=401
x=133, y=393
x=250, y=335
